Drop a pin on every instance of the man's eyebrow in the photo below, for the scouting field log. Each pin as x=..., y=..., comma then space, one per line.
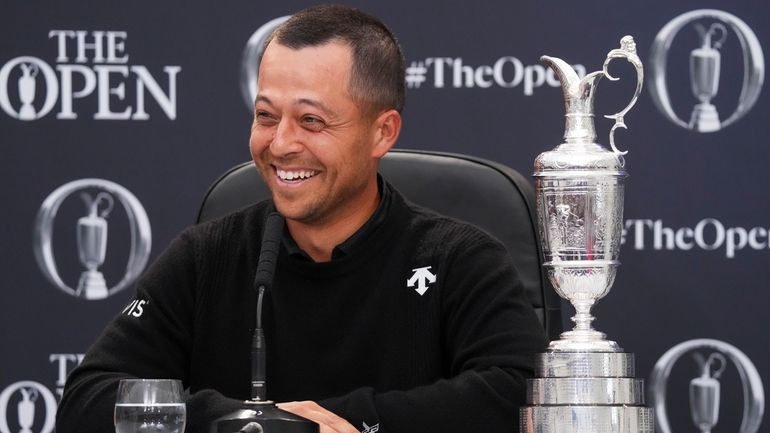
x=265, y=99
x=302, y=101
x=317, y=104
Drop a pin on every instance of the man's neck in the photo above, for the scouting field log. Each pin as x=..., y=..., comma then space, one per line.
x=318, y=240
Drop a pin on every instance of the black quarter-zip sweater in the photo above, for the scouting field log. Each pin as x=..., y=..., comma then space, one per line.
x=354, y=334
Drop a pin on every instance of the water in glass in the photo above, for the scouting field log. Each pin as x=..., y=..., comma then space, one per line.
x=155, y=418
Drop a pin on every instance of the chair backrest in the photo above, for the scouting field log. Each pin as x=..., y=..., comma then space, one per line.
x=490, y=195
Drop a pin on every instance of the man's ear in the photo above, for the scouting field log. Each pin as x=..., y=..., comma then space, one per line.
x=387, y=128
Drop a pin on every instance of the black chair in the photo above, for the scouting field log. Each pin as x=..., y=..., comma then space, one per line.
x=490, y=195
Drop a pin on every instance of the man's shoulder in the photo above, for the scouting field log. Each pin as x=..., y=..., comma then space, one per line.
x=431, y=226
x=246, y=222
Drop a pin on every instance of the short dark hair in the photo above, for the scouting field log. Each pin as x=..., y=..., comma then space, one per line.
x=377, y=76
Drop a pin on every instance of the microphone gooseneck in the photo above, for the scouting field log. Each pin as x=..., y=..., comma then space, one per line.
x=268, y=257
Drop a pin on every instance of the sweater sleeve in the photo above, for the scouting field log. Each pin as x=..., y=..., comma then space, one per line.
x=490, y=334
x=150, y=338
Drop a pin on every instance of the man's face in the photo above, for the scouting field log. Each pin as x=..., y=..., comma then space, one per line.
x=310, y=140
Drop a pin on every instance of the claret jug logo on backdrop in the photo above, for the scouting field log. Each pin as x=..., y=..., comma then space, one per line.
x=88, y=64
x=706, y=70
x=712, y=357
x=435, y=72
x=27, y=406
x=91, y=231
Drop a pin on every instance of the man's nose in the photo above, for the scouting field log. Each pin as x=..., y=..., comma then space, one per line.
x=285, y=139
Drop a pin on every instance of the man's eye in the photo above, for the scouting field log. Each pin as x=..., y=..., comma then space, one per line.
x=313, y=123
x=263, y=117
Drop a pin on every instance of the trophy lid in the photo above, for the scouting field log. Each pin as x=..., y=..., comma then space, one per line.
x=579, y=154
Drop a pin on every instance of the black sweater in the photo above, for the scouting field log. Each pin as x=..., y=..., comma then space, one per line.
x=350, y=334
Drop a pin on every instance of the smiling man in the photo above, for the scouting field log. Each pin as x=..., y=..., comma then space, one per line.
x=353, y=345
x=316, y=139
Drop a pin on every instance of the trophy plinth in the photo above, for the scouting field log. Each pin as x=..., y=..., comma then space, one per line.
x=584, y=341
x=584, y=382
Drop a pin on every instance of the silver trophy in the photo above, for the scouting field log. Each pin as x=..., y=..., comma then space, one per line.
x=584, y=383
x=92, y=245
x=705, y=64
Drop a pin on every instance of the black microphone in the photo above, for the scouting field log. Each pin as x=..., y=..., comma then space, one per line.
x=268, y=254
x=268, y=257
x=259, y=414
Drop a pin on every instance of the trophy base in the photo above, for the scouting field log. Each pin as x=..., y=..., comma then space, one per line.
x=592, y=391
x=92, y=285
x=705, y=118
x=582, y=392
x=583, y=341
x=584, y=364
x=587, y=419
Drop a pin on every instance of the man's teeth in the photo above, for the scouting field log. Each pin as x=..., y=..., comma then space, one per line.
x=296, y=175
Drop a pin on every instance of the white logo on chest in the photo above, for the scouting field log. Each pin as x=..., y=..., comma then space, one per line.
x=421, y=277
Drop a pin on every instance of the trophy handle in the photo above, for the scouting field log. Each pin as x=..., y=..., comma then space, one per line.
x=626, y=51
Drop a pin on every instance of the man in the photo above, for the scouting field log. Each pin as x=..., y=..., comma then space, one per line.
x=351, y=346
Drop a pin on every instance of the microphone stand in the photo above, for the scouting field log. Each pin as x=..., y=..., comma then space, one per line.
x=260, y=415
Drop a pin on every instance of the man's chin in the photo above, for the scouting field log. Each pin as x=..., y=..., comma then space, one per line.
x=294, y=212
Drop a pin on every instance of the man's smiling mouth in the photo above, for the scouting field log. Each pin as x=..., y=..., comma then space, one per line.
x=295, y=175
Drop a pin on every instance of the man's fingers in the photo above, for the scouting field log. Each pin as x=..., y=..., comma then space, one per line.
x=328, y=421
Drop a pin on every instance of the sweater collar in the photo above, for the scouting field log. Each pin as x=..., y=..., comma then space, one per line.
x=357, y=238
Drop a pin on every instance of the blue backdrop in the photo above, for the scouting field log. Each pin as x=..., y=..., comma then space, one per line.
x=148, y=98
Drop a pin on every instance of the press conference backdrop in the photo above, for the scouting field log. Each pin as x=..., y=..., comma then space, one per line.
x=116, y=116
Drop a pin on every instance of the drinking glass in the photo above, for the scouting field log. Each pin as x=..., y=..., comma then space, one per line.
x=150, y=406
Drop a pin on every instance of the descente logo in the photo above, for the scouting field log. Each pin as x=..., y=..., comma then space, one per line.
x=707, y=234
x=88, y=64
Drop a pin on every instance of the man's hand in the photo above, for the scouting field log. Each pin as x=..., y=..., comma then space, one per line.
x=329, y=422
